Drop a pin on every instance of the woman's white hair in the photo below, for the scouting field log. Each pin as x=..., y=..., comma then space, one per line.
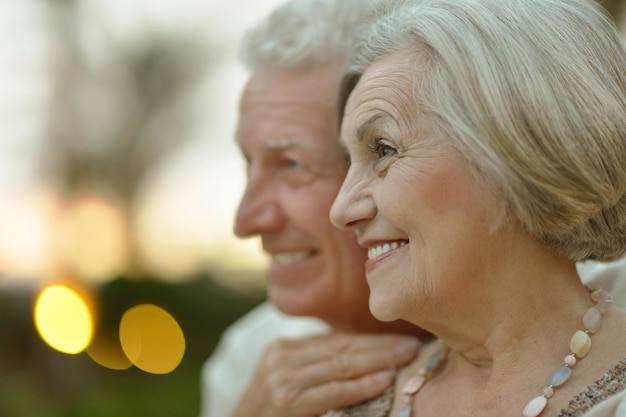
x=305, y=33
x=533, y=93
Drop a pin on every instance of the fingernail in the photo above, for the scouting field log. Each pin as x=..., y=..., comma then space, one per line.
x=383, y=377
x=407, y=348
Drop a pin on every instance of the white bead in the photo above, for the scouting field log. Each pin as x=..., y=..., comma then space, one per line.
x=535, y=406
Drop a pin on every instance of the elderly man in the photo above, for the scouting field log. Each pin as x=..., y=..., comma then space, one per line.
x=287, y=133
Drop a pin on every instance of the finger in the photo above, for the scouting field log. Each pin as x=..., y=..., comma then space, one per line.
x=345, y=366
x=363, y=341
x=333, y=395
x=297, y=353
x=339, y=367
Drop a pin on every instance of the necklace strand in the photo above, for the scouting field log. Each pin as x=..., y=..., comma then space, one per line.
x=414, y=384
x=580, y=344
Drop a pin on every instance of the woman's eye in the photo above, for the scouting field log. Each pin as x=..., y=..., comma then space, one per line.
x=381, y=149
x=293, y=164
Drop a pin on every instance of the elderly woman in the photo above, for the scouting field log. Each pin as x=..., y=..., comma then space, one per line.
x=487, y=141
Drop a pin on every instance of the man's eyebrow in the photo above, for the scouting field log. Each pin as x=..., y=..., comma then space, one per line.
x=285, y=143
x=275, y=144
x=360, y=133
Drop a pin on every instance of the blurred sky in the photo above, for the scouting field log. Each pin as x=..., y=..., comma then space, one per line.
x=190, y=200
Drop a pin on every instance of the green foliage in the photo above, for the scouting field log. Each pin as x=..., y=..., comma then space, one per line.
x=39, y=381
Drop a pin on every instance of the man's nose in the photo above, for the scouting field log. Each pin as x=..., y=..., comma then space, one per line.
x=259, y=210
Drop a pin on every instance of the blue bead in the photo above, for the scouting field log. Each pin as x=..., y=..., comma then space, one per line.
x=405, y=411
x=560, y=376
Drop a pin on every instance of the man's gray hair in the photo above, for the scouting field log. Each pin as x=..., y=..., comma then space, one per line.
x=305, y=33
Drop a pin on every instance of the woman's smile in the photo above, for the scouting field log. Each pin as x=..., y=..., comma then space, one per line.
x=377, y=251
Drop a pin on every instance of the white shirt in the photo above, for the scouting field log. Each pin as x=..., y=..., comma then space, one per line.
x=614, y=406
x=226, y=374
x=610, y=275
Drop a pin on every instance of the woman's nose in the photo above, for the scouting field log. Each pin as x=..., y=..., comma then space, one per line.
x=353, y=205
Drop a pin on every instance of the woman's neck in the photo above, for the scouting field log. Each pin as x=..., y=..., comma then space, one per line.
x=510, y=367
x=527, y=317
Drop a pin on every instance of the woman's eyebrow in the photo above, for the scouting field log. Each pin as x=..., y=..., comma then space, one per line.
x=367, y=125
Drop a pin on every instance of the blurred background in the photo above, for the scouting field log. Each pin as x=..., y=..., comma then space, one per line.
x=119, y=179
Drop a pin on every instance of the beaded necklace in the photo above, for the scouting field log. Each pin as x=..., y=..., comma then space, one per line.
x=580, y=344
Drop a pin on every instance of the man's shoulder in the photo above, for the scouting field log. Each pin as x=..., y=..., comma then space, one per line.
x=227, y=372
x=265, y=322
x=242, y=344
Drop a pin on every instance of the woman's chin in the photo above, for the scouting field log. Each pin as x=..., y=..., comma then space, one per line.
x=383, y=311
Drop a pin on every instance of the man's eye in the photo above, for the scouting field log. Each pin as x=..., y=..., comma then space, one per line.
x=381, y=149
x=295, y=173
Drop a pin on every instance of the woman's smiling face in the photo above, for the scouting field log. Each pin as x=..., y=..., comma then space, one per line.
x=428, y=223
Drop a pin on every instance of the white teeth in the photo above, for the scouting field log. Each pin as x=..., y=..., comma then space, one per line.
x=290, y=257
x=376, y=251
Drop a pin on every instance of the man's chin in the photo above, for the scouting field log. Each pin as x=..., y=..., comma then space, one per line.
x=293, y=304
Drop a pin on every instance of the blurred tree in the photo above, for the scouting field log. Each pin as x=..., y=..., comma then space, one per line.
x=118, y=108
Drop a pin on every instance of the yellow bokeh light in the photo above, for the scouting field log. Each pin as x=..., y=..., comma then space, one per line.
x=63, y=319
x=152, y=339
x=106, y=351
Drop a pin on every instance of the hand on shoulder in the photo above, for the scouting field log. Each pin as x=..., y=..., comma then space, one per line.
x=306, y=377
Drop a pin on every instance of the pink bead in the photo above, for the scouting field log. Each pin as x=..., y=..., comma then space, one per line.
x=604, y=305
x=570, y=360
x=601, y=295
x=592, y=319
x=414, y=384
